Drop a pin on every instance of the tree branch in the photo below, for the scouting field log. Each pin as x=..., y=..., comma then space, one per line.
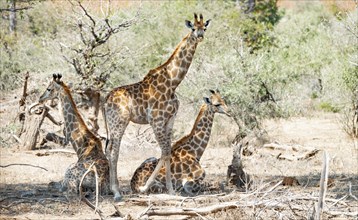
x=15, y=9
x=22, y=164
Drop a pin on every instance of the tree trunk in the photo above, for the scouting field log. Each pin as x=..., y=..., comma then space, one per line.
x=244, y=145
x=93, y=103
x=12, y=16
x=235, y=172
x=31, y=129
x=22, y=103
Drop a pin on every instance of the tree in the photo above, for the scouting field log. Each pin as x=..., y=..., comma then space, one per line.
x=91, y=60
x=13, y=9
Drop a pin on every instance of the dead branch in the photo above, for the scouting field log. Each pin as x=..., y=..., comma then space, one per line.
x=22, y=164
x=15, y=9
x=350, y=192
x=61, y=151
x=272, y=188
x=313, y=198
x=323, y=186
x=53, y=120
x=217, y=196
x=83, y=198
x=17, y=139
x=145, y=211
x=191, y=211
x=22, y=103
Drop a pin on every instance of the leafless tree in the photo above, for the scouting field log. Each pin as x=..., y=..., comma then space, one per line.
x=92, y=61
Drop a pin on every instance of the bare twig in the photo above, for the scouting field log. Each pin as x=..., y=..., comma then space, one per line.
x=145, y=211
x=17, y=139
x=192, y=211
x=83, y=198
x=272, y=188
x=323, y=186
x=350, y=192
x=15, y=9
x=22, y=164
x=60, y=151
x=53, y=120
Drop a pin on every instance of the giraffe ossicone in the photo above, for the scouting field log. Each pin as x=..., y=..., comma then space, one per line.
x=87, y=146
x=151, y=101
x=187, y=173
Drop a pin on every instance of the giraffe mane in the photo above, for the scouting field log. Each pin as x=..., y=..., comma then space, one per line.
x=153, y=71
x=74, y=106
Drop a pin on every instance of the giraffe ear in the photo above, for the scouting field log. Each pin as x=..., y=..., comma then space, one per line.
x=207, y=100
x=212, y=91
x=207, y=23
x=188, y=24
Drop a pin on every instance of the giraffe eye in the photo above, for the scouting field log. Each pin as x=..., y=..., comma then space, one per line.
x=48, y=90
x=217, y=105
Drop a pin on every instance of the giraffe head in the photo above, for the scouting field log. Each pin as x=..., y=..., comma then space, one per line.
x=53, y=89
x=217, y=103
x=198, y=28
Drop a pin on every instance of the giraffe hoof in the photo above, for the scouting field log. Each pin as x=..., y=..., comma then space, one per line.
x=117, y=197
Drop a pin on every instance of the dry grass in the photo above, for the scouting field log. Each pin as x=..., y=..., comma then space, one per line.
x=24, y=192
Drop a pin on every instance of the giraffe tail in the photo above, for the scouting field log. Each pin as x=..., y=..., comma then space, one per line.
x=106, y=127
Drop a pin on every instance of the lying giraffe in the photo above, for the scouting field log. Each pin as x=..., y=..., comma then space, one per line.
x=187, y=172
x=151, y=101
x=88, y=147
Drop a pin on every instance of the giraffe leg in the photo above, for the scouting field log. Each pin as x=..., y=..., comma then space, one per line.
x=117, y=122
x=193, y=183
x=162, y=131
x=71, y=182
x=112, y=154
x=152, y=177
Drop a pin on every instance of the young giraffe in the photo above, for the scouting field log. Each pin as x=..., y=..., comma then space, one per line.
x=87, y=146
x=187, y=172
x=151, y=101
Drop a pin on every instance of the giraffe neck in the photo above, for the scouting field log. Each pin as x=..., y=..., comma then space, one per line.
x=179, y=62
x=199, y=136
x=74, y=124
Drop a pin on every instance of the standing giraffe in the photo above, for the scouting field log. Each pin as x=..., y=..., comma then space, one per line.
x=88, y=147
x=186, y=170
x=151, y=101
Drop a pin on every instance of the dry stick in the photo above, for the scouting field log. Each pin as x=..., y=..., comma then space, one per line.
x=22, y=164
x=60, y=151
x=323, y=186
x=192, y=211
x=22, y=103
x=316, y=198
x=144, y=212
x=97, y=187
x=350, y=192
x=83, y=198
x=17, y=139
x=200, y=196
x=272, y=188
x=338, y=200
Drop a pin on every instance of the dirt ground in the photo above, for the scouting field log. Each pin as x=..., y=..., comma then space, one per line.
x=24, y=190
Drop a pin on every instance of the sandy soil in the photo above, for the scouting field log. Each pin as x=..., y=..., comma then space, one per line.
x=24, y=193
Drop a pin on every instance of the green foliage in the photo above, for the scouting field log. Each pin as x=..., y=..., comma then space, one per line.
x=328, y=107
x=303, y=57
x=257, y=25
